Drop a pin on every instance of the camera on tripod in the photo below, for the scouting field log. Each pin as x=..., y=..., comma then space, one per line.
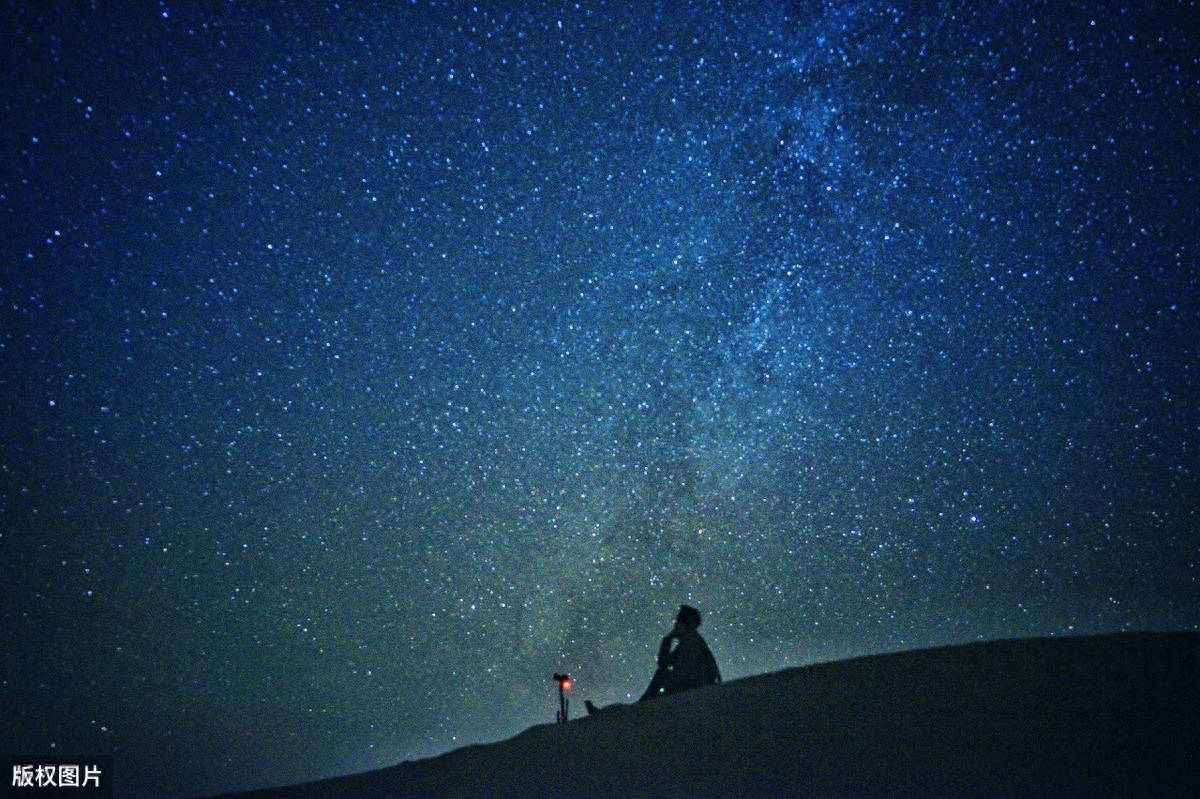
x=564, y=685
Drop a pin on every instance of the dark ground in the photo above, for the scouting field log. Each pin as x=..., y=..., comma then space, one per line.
x=1113, y=715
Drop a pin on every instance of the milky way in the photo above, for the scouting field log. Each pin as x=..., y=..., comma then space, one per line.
x=362, y=368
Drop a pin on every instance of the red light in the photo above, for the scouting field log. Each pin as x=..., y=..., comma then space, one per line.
x=566, y=685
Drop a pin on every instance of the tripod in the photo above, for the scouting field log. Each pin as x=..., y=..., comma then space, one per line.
x=564, y=685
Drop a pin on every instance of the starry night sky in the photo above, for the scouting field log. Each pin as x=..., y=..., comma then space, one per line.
x=363, y=366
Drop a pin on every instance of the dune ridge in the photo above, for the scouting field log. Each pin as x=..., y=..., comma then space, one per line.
x=1106, y=715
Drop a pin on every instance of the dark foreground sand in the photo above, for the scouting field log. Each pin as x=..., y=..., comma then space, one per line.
x=1113, y=715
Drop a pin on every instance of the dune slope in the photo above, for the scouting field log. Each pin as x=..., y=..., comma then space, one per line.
x=1111, y=715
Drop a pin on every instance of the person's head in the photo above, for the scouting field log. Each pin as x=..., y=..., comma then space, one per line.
x=688, y=617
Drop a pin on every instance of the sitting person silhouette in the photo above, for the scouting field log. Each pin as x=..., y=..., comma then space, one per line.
x=684, y=660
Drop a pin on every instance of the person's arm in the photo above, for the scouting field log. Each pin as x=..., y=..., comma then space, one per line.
x=666, y=658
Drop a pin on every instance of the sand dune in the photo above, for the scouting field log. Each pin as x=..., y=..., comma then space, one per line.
x=1112, y=715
